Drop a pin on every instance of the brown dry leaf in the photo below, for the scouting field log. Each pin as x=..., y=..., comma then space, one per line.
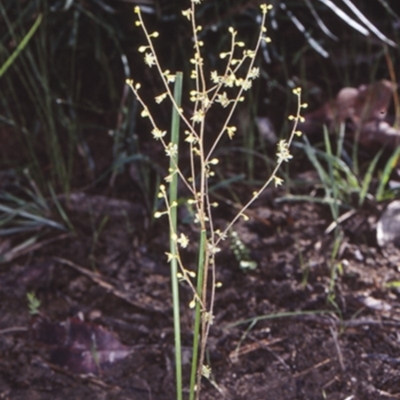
x=81, y=347
x=363, y=110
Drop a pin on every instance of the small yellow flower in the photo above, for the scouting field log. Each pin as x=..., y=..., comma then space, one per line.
x=171, y=150
x=245, y=217
x=161, y=97
x=223, y=99
x=278, y=181
x=206, y=371
x=168, y=178
x=187, y=13
x=214, y=77
x=192, y=274
x=265, y=8
x=246, y=84
x=254, y=73
x=183, y=240
x=149, y=59
x=198, y=116
x=230, y=130
x=249, y=53
x=213, y=249
x=170, y=257
x=196, y=151
x=194, y=95
x=222, y=235
x=168, y=76
x=229, y=80
x=190, y=138
x=192, y=304
x=214, y=161
x=283, y=151
x=224, y=55
x=297, y=91
x=158, y=133
x=144, y=113
x=197, y=60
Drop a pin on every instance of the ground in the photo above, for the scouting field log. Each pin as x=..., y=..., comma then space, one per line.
x=302, y=325
x=315, y=316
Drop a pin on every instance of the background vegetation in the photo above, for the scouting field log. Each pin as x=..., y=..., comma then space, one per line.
x=68, y=121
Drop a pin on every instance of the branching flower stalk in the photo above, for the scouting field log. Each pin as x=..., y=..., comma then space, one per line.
x=209, y=92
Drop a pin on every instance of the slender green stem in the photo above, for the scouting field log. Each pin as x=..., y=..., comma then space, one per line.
x=173, y=193
x=390, y=165
x=21, y=45
x=197, y=320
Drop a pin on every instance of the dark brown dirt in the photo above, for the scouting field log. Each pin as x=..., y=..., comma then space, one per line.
x=327, y=329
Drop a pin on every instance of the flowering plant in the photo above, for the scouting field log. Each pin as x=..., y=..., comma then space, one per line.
x=211, y=90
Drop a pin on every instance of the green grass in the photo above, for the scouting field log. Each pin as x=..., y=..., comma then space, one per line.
x=343, y=188
x=45, y=90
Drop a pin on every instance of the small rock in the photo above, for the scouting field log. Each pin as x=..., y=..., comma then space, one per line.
x=388, y=227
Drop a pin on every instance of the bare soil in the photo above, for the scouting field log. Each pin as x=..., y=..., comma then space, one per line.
x=300, y=326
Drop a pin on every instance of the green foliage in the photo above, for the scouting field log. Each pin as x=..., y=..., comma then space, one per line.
x=341, y=185
x=21, y=46
x=383, y=192
x=47, y=87
x=26, y=213
x=65, y=61
x=33, y=303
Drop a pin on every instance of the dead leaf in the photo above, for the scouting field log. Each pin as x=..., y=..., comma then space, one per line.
x=81, y=347
x=363, y=110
